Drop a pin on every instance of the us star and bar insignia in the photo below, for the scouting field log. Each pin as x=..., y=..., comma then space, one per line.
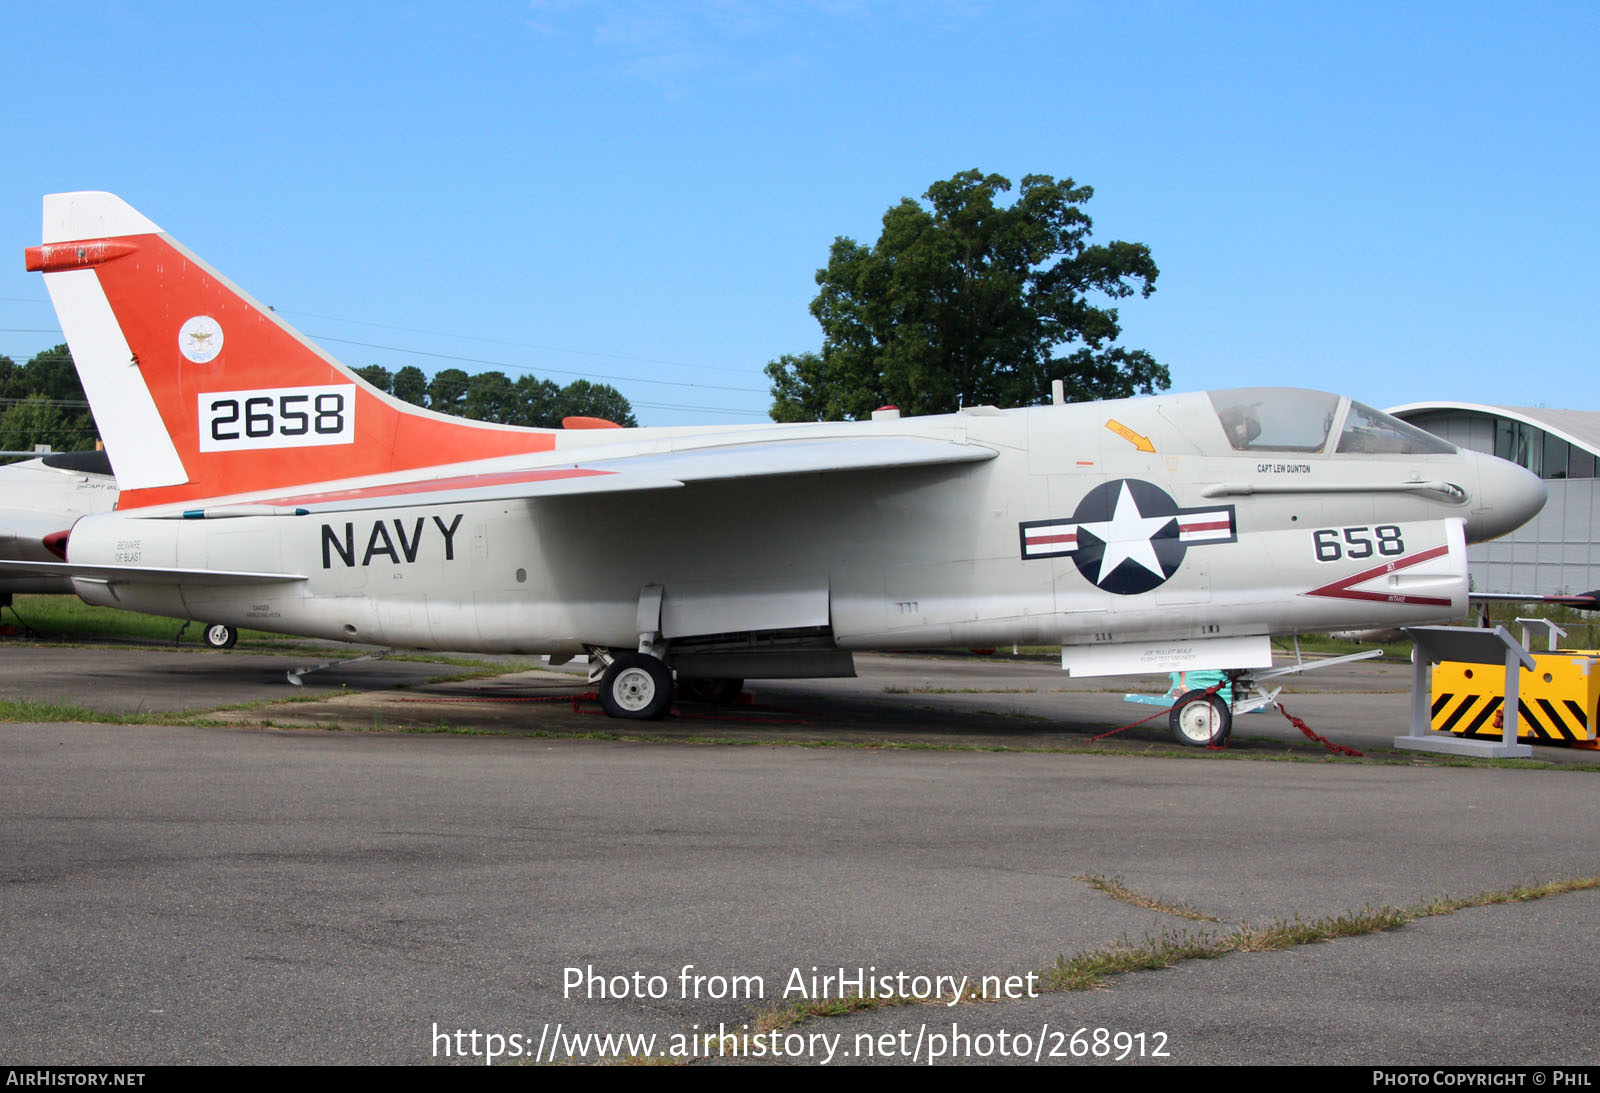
x=1127, y=535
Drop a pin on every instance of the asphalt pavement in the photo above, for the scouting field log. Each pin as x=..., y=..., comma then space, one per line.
x=392, y=862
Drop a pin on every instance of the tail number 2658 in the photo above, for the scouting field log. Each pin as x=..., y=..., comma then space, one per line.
x=277, y=417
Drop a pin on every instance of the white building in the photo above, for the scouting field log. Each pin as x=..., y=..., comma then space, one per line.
x=1559, y=550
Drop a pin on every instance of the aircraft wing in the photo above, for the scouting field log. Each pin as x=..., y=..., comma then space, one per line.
x=627, y=473
x=143, y=574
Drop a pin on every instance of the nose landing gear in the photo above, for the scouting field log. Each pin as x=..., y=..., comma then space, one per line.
x=1201, y=719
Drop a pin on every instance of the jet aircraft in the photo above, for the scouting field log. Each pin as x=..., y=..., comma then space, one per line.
x=266, y=485
x=40, y=499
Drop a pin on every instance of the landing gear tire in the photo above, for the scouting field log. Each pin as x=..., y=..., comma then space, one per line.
x=1201, y=720
x=636, y=686
x=720, y=692
x=219, y=635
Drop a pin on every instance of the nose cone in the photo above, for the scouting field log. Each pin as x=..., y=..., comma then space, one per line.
x=1508, y=496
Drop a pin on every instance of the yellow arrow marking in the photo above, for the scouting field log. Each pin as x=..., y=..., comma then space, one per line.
x=1138, y=440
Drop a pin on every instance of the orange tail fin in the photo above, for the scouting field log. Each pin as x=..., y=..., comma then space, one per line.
x=202, y=393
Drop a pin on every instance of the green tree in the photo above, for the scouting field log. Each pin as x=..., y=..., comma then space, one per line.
x=490, y=397
x=44, y=403
x=965, y=301
x=580, y=398
x=536, y=403
x=411, y=385
x=38, y=420
x=448, y=390
x=51, y=373
x=377, y=375
x=528, y=400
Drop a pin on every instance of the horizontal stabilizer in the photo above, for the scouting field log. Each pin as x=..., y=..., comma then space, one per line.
x=134, y=574
x=1582, y=601
x=20, y=526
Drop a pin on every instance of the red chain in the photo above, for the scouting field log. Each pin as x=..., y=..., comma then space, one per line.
x=1338, y=749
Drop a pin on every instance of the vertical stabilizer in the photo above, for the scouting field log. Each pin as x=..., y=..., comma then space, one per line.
x=200, y=392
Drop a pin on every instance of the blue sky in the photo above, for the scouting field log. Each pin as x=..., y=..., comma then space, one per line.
x=1395, y=201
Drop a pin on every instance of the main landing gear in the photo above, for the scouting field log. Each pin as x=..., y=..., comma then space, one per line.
x=639, y=686
x=216, y=635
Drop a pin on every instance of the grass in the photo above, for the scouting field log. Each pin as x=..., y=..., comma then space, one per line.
x=1091, y=968
x=1095, y=968
x=27, y=709
x=1113, y=887
x=791, y=1014
x=490, y=667
x=69, y=617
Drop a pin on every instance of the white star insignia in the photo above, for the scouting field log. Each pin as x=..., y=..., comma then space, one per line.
x=1127, y=536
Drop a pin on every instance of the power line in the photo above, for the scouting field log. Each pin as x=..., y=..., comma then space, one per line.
x=447, y=334
x=519, y=345
x=526, y=369
x=532, y=371
x=699, y=409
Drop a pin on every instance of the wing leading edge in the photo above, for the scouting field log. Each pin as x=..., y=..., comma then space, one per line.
x=627, y=473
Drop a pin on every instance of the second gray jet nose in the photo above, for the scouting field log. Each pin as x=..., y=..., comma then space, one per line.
x=1507, y=497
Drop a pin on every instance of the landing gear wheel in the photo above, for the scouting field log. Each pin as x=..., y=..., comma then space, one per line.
x=636, y=686
x=219, y=635
x=720, y=692
x=1199, y=720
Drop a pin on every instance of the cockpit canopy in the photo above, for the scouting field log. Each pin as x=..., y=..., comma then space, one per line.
x=1287, y=419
